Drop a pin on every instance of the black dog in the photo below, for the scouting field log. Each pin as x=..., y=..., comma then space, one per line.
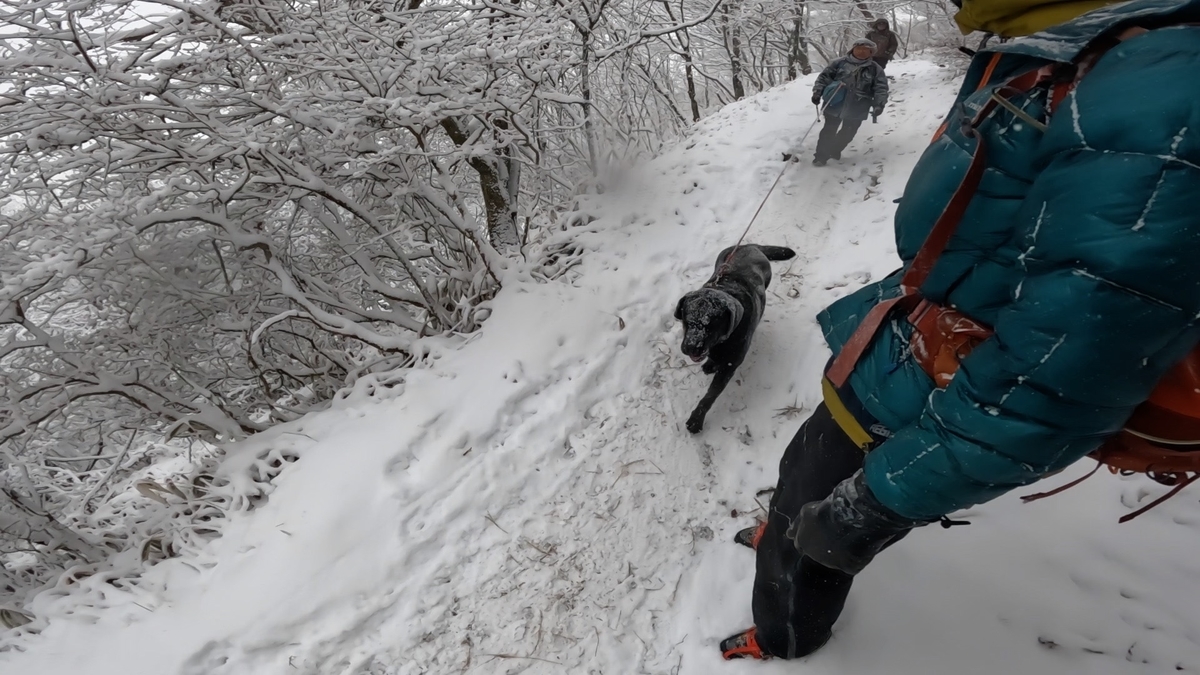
x=720, y=318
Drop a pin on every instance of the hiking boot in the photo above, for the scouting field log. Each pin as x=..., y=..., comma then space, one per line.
x=819, y=162
x=750, y=536
x=742, y=646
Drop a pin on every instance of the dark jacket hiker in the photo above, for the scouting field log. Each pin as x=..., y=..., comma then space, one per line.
x=886, y=42
x=1077, y=253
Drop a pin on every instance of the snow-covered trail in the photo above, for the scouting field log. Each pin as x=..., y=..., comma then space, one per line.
x=532, y=503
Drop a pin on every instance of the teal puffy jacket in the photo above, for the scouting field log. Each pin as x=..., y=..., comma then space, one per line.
x=1081, y=249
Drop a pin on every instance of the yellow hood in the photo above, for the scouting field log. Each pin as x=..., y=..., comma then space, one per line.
x=1014, y=18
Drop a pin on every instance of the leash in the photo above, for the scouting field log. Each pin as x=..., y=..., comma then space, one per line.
x=789, y=159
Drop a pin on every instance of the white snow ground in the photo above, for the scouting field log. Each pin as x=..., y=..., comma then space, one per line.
x=532, y=504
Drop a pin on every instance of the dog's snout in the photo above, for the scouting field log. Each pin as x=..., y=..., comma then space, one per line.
x=692, y=345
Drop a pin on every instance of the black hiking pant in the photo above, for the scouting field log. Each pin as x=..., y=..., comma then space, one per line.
x=835, y=136
x=797, y=600
x=881, y=60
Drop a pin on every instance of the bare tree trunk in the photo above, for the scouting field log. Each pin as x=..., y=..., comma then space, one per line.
x=499, y=185
x=685, y=50
x=797, y=44
x=514, y=189
x=689, y=75
x=734, y=48
x=585, y=86
x=499, y=178
x=767, y=71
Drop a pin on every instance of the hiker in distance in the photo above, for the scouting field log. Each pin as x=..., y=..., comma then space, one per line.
x=1069, y=288
x=847, y=90
x=886, y=42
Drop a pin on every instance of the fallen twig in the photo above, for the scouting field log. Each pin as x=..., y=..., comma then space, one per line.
x=518, y=656
x=492, y=520
x=790, y=411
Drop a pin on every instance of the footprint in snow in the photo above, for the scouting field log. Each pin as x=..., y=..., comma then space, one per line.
x=855, y=278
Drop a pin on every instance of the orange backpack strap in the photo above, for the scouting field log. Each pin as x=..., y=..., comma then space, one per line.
x=1174, y=491
x=1115, y=458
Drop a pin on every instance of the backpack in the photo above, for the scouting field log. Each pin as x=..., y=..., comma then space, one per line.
x=834, y=95
x=1162, y=437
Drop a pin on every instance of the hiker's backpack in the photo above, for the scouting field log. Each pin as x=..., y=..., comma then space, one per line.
x=834, y=95
x=1162, y=437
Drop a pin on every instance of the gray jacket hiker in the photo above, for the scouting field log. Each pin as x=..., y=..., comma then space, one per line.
x=864, y=82
x=848, y=90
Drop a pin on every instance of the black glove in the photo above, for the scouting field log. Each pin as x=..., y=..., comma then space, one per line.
x=816, y=99
x=847, y=529
x=876, y=111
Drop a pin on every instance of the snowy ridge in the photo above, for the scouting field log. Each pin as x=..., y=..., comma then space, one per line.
x=532, y=504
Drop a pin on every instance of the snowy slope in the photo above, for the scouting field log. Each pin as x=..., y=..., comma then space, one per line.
x=532, y=504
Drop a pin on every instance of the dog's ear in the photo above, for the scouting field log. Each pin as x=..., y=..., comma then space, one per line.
x=679, y=309
x=734, y=316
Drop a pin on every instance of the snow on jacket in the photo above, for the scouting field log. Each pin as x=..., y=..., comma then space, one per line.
x=885, y=40
x=865, y=82
x=1081, y=248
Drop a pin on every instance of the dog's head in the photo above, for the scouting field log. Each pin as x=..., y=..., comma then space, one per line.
x=709, y=317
